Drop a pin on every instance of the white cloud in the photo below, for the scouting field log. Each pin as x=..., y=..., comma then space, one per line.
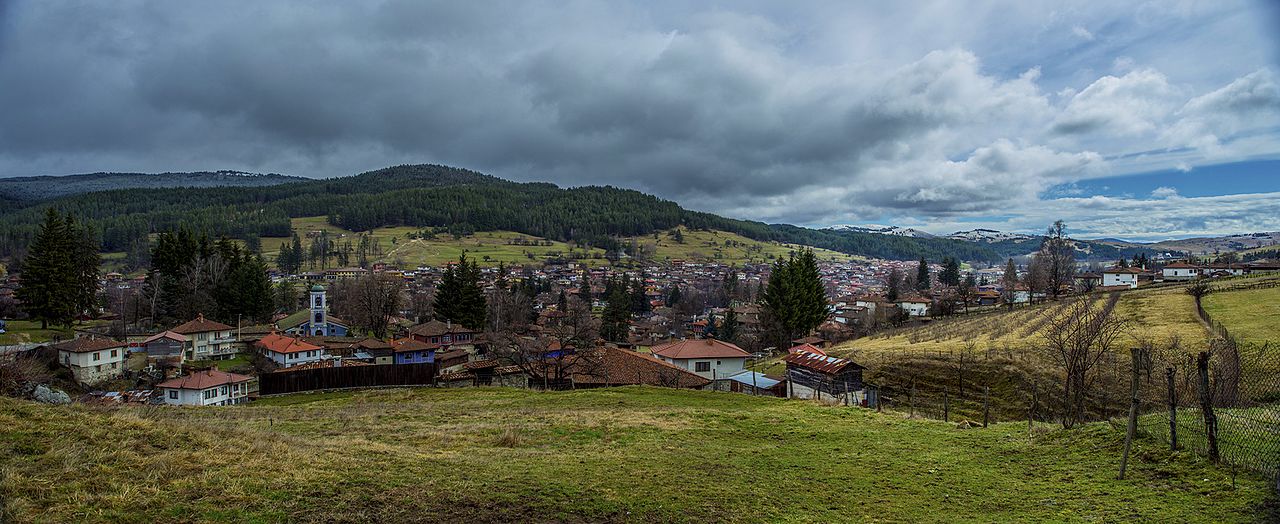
x=1164, y=192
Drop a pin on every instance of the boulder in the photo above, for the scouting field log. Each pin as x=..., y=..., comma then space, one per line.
x=47, y=395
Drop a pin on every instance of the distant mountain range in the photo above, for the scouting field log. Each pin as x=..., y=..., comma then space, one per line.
x=884, y=230
x=32, y=188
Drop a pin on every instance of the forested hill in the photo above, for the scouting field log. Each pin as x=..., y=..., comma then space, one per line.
x=432, y=195
x=23, y=189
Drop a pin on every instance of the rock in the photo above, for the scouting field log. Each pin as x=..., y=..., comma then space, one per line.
x=47, y=395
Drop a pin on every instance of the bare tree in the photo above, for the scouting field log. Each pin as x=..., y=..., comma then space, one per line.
x=1059, y=257
x=565, y=347
x=1078, y=338
x=372, y=301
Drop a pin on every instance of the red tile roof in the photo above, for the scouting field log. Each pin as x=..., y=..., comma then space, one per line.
x=88, y=344
x=278, y=343
x=1181, y=265
x=322, y=364
x=620, y=367
x=200, y=325
x=405, y=345
x=166, y=334
x=204, y=380
x=700, y=348
x=1122, y=271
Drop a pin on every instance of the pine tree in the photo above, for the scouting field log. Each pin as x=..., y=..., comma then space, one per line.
x=48, y=275
x=922, y=276
x=950, y=274
x=584, y=289
x=459, y=297
x=639, y=299
x=616, y=317
x=86, y=263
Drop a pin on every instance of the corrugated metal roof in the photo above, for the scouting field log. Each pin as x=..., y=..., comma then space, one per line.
x=820, y=363
x=761, y=381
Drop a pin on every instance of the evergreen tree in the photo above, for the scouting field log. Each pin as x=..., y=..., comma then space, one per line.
x=86, y=263
x=562, y=303
x=584, y=289
x=616, y=317
x=922, y=276
x=459, y=297
x=795, y=301
x=48, y=275
x=639, y=300
x=673, y=298
x=710, y=330
x=729, y=327
x=893, y=285
x=295, y=254
x=950, y=274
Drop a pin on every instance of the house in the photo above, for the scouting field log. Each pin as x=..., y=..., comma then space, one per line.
x=1180, y=271
x=166, y=345
x=443, y=334
x=288, y=351
x=208, y=387
x=814, y=376
x=208, y=340
x=1120, y=276
x=753, y=383
x=914, y=305
x=986, y=297
x=485, y=373
x=812, y=341
x=1234, y=270
x=410, y=351
x=374, y=351
x=605, y=366
x=1085, y=281
x=92, y=359
x=315, y=320
x=708, y=357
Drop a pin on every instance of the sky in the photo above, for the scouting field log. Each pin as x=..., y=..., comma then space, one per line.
x=1136, y=120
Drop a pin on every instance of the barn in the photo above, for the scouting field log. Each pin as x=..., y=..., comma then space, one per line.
x=823, y=377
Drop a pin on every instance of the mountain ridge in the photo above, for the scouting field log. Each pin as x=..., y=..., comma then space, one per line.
x=49, y=187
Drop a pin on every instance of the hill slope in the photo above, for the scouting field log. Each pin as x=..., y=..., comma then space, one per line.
x=620, y=455
x=25, y=189
x=437, y=196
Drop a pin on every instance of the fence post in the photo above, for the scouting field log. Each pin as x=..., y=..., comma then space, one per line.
x=1136, y=366
x=1173, y=409
x=911, y=398
x=986, y=405
x=1206, y=406
x=946, y=406
x=879, y=405
x=1031, y=411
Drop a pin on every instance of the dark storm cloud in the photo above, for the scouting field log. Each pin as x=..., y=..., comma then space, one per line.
x=794, y=116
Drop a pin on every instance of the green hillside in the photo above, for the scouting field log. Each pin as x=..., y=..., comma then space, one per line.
x=491, y=247
x=419, y=196
x=618, y=455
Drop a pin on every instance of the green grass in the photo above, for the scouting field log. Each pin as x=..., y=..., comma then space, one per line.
x=23, y=331
x=624, y=454
x=240, y=360
x=1251, y=315
x=491, y=247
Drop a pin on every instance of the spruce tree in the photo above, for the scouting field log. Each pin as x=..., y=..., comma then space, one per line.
x=950, y=274
x=48, y=275
x=795, y=300
x=922, y=276
x=617, y=312
x=729, y=326
x=673, y=298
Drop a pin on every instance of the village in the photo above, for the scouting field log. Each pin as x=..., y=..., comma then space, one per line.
x=701, y=327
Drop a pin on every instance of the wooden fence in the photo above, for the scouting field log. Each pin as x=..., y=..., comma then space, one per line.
x=347, y=377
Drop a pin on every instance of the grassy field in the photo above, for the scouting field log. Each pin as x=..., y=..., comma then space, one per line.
x=624, y=454
x=1251, y=315
x=1154, y=313
x=23, y=331
x=491, y=247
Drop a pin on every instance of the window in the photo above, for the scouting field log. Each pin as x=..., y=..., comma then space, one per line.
x=97, y=356
x=173, y=394
x=223, y=390
x=115, y=353
x=702, y=367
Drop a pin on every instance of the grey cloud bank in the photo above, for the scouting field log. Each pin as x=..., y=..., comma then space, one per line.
x=825, y=113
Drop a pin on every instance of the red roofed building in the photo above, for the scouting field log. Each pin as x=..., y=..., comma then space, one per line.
x=289, y=351
x=209, y=387
x=92, y=358
x=810, y=348
x=1180, y=271
x=708, y=357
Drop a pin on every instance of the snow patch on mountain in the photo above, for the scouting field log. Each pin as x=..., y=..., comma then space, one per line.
x=883, y=230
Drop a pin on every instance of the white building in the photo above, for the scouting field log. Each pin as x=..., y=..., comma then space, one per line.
x=208, y=340
x=914, y=306
x=92, y=359
x=1180, y=271
x=289, y=351
x=206, y=388
x=708, y=358
x=1121, y=276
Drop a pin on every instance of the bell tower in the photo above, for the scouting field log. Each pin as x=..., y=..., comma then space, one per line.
x=319, y=320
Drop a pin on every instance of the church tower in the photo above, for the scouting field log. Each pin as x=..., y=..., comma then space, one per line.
x=319, y=312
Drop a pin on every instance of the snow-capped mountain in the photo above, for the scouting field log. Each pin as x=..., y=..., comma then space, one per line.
x=987, y=235
x=883, y=230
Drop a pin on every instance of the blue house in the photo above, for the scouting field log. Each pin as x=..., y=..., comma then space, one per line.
x=409, y=351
